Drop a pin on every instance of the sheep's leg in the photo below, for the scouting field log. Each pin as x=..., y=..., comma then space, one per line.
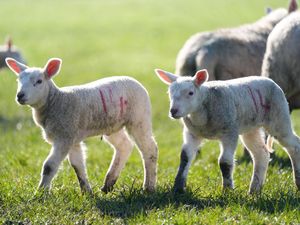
x=188, y=152
x=292, y=145
x=51, y=164
x=77, y=161
x=142, y=134
x=226, y=159
x=255, y=143
x=123, y=147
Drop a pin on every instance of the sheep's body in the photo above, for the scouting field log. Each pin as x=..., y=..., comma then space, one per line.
x=69, y=115
x=223, y=110
x=7, y=50
x=228, y=53
x=281, y=61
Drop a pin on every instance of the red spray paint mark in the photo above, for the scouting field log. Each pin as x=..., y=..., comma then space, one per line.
x=121, y=106
x=253, y=98
x=266, y=107
x=103, y=101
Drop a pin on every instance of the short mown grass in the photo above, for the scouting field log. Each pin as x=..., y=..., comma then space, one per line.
x=133, y=37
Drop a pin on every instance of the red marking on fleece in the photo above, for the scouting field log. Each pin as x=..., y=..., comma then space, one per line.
x=13, y=65
x=121, y=106
x=253, y=98
x=265, y=107
x=52, y=67
x=125, y=102
x=103, y=101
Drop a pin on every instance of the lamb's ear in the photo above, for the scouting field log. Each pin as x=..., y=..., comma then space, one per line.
x=15, y=66
x=200, y=77
x=52, y=67
x=293, y=6
x=165, y=76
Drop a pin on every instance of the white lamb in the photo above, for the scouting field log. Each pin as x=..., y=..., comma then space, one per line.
x=69, y=115
x=224, y=110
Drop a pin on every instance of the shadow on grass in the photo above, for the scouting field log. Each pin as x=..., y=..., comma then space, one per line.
x=279, y=161
x=136, y=202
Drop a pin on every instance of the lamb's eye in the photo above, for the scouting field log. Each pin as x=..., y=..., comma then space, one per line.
x=39, y=81
x=191, y=93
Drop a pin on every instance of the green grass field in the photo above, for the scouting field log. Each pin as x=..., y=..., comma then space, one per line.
x=126, y=37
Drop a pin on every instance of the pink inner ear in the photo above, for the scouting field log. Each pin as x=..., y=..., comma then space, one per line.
x=163, y=75
x=52, y=68
x=200, y=77
x=14, y=66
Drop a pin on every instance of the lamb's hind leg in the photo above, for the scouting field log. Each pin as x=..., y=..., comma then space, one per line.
x=142, y=134
x=123, y=147
x=77, y=161
x=255, y=143
x=292, y=144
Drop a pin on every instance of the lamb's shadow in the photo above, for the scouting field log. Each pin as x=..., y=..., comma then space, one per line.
x=280, y=161
x=129, y=205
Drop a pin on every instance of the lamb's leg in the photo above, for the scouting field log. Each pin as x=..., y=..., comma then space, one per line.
x=188, y=152
x=292, y=145
x=142, y=134
x=77, y=161
x=123, y=147
x=226, y=159
x=255, y=143
x=58, y=152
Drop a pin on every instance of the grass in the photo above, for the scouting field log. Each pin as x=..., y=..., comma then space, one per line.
x=102, y=38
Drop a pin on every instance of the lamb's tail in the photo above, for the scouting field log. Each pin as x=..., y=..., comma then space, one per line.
x=269, y=143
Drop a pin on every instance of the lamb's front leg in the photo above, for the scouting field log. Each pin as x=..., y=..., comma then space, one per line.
x=77, y=161
x=188, y=152
x=51, y=164
x=226, y=159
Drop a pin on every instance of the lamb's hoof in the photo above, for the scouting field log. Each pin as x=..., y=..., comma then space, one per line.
x=87, y=191
x=179, y=190
x=107, y=189
x=149, y=189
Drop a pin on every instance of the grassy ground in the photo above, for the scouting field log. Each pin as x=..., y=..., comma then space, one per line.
x=101, y=38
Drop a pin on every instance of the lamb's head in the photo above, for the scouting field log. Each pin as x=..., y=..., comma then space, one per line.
x=184, y=92
x=33, y=83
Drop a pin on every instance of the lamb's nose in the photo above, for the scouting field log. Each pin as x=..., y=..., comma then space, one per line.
x=20, y=95
x=174, y=111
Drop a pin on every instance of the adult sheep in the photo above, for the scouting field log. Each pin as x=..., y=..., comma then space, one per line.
x=281, y=61
x=9, y=50
x=69, y=115
x=230, y=53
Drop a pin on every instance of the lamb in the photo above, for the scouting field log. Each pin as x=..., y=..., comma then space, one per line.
x=223, y=110
x=281, y=59
x=68, y=115
x=230, y=53
x=8, y=50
